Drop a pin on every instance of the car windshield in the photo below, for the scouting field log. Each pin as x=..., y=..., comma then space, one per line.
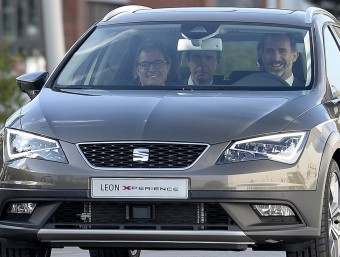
x=191, y=55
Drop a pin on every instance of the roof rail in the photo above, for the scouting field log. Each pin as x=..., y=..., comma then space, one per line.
x=127, y=8
x=311, y=11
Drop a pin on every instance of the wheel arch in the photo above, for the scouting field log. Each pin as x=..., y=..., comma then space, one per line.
x=331, y=152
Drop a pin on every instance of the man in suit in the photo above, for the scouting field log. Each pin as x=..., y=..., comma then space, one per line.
x=277, y=53
x=202, y=65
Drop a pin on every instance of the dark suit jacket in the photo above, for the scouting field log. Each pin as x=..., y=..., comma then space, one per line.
x=298, y=83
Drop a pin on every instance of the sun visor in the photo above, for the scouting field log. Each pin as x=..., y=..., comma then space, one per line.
x=210, y=44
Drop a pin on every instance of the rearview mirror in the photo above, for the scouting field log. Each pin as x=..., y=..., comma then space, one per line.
x=210, y=44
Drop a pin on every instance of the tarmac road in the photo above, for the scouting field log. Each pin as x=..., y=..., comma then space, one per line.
x=76, y=252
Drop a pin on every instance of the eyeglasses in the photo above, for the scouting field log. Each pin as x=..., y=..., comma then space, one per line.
x=158, y=64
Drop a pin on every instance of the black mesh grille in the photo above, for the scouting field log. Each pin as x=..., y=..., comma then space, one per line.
x=161, y=155
x=165, y=216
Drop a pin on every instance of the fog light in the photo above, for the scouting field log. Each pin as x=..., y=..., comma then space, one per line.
x=21, y=208
x=266, y=210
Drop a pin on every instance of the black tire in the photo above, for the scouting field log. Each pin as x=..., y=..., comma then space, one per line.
x=114, y=252
x=25, y=252
x=327, y=245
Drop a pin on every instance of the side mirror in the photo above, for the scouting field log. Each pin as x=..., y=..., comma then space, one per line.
x=32, y=83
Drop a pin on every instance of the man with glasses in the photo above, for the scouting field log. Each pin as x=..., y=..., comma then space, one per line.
x=152, y=64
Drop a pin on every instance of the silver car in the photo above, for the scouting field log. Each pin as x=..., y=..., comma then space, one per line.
x=118, y=151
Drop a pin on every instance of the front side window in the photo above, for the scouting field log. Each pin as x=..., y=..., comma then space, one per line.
x=337, y=32
x=332, y=53
x=191, y=55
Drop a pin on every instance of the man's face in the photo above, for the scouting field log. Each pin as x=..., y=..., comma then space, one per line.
x=202, y=66
x=152, y=68
x=278, y=57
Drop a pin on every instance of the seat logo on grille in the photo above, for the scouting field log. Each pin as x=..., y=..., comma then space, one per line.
x=140, y=155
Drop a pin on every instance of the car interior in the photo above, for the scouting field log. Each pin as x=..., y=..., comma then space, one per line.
x=112, y=62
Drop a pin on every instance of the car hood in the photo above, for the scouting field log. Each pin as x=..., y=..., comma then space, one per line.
x=176, y=116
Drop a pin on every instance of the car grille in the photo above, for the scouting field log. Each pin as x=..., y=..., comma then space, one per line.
x=167, y=216
x=161, y=155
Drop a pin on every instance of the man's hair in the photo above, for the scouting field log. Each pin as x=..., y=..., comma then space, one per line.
x=150, y=46
x=291, y=38
x=219, y=54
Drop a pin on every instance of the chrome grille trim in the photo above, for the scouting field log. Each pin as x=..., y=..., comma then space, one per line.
x=141, y=143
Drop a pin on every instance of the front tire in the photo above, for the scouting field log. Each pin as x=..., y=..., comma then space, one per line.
x=328, y=244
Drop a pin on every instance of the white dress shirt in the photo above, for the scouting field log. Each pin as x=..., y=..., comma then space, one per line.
x=290, y=80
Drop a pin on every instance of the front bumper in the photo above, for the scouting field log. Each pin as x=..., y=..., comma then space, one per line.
x=178, y=239
x=207, y=220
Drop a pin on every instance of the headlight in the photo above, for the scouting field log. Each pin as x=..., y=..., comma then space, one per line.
x=284, y=148
x=21, y=144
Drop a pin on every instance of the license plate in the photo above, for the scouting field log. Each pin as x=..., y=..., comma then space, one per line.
x=139, y=188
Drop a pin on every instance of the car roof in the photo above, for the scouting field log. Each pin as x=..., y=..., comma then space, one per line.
x=260, y=15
